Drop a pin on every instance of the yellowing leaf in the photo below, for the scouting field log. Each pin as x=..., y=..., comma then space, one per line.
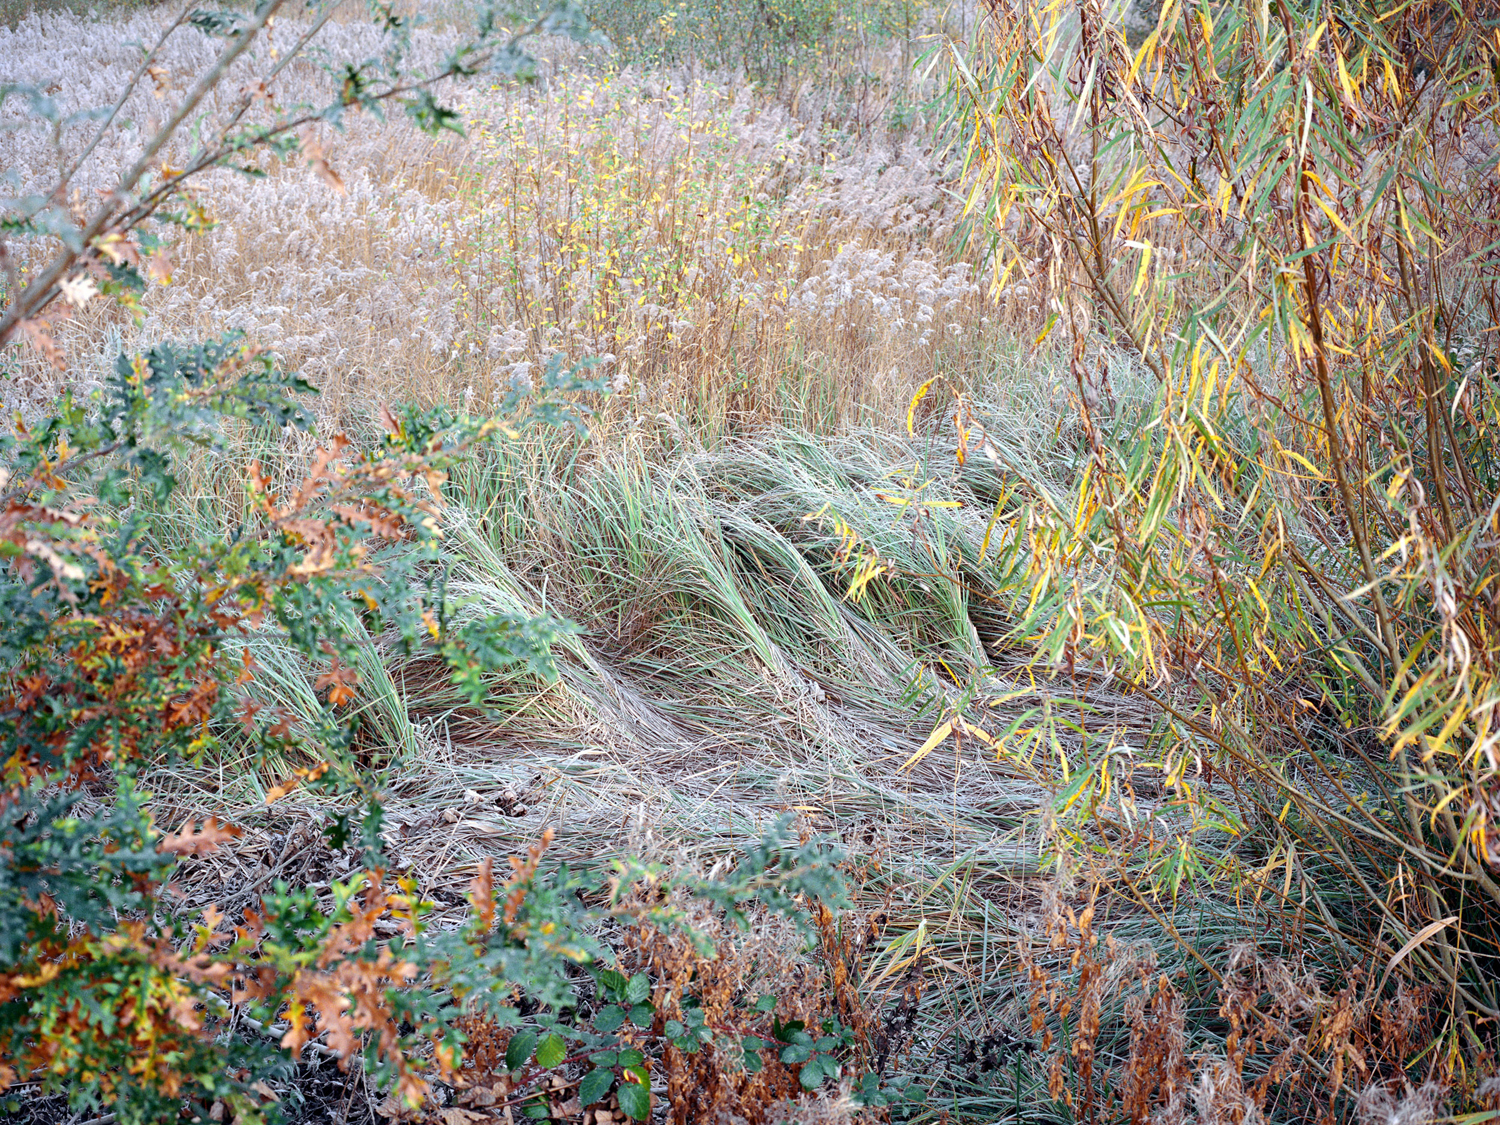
x=1416, y=939
x=911, y=410
x=944, y=729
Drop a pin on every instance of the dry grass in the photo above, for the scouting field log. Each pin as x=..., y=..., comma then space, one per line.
x=731, y=257
x=766, y=279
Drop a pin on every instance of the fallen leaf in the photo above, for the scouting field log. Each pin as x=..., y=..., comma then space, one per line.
x=187, y=841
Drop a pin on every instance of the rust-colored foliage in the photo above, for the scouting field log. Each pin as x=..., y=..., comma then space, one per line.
x=125, y=658
x=713, y=1083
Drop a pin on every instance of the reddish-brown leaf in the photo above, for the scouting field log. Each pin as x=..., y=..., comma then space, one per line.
x=189, y=840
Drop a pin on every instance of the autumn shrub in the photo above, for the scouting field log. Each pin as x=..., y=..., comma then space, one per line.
x=126, y=653
x=121, y=660
x=730, y=1016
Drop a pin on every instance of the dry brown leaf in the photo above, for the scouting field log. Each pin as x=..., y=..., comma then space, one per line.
x=312, y=148
x=276, y=792
x=340, y=681
x=187, y=841
x=159, y=267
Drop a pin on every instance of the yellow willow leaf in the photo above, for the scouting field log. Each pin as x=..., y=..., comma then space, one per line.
x=976, y=732
x=1254, y=589
x=1148, y=654
x=1249, y=193
x=1140, y=57
x=1299, y=339
x=1453, y=795
x=1317, y=474
x=1405, y=712
x=989, y=528
x=1345, y=81
x=1001, y=277
x=1143, y=274
x=1338, y=222
x=1435, y=745
x=1137, y=183
x=944, y=729
x=1392, y=82
x=1085, y=506
x=1312, y=44
x=1208, y=389
x=1047, y=330
x=1411, y=239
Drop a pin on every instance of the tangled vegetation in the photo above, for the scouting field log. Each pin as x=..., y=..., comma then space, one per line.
x=949, y=552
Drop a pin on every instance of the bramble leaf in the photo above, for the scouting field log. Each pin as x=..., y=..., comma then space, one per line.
x=518, y=1051
x=635, y=1100
x=595, y=1086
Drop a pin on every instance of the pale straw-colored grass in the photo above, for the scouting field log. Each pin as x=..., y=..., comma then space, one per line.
x=730, y=256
